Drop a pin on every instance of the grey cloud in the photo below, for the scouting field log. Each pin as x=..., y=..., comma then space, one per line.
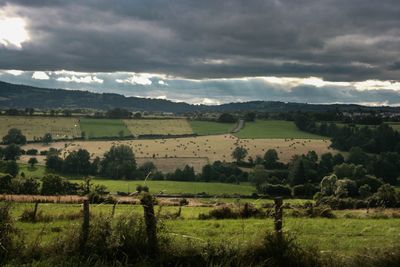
x=333, y=39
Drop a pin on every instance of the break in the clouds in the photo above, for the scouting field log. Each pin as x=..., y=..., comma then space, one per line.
x=207, y=51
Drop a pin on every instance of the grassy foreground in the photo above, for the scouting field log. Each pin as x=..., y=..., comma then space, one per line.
x=341, y=235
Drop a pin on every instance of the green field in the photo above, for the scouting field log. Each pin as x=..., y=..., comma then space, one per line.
x=210, y=128
x=159, y=126
x=274, y=129
x=97, y=128
x=341, y=235
x=35, y=127
x=167, y=187
x=173, y=187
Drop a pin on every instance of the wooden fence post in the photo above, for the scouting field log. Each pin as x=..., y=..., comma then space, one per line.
x=151, y=223
x=35, y=211
x=278, y=216
x=85, y=225
x=113, y=210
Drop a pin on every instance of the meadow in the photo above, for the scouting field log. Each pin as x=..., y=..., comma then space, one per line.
x=35, y=127
x=97, y=128
x=345, y=236
x=156, y=187
x=275, y=129
x=210, y=127
x=158, y=127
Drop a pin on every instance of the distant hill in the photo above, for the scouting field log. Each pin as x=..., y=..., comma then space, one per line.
x=22, y=96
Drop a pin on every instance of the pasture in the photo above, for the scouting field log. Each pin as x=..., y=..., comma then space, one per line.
x=98, y=128
x=35, y=127
x=156, y=187
x=173, y=187
x=344, y=236
x=210, y=127
x=275, y=129
x=158, y=126
x=216, y=147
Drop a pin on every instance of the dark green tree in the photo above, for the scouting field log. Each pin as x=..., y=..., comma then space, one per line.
x=14, y=136
x=119, y=163
x=47, y=139
x=12, y=152
x=297, y=173
x=270, y=158
x=32, y=162
x=239, y=153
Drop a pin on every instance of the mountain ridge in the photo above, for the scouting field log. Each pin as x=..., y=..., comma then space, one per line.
x=23, y=96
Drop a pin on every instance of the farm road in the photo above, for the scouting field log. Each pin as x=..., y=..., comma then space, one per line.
x=239, y=126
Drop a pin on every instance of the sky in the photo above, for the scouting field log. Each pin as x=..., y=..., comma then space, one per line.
x=208, y=51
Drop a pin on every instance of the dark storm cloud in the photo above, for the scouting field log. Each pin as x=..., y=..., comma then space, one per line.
x=333, y=39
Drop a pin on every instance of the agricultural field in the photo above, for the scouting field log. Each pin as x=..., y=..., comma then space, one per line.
x=97, y=128
x=158, y=126
x=217, y=147
x=166, y=187
x=167, y=165
x=35, y=127
x=274, y=129
x=346, y=236
x=173, y=187
x=395, y=125
x=211, y=128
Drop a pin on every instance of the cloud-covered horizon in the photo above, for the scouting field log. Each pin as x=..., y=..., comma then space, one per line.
x=318, y=51
x=214, y=91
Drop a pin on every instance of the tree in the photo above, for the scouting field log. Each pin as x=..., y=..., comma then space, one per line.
x=258, y=176
x=239, y=153
x=357, y=156
x=14, y=136
x=32, y=161
x=338, y=159
x=346, y=188
x=54, y=162
x=148, y=167
x=326, y=164
x=387, y=196
x=5, y=183
x=119, y=162
x=270, y=158
x=56, y=185
x=364, y=191
x=77, y=162
x=328, y=185
x=297, y=173
x=227, y=118
x=250, y=116
x=47, y=139
x=12, y=152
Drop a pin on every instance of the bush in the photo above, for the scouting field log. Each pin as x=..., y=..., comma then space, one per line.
x=220, y=213
x=285, y=252
x=31, y=152
x=6, y=232
x=304, y=191
x=275, y=190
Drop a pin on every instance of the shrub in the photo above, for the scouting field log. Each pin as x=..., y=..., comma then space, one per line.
x=6, y=232
x=275, y=190
x=32, y=152
x=284, y=251
x=220, y=213
x=304, y=191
